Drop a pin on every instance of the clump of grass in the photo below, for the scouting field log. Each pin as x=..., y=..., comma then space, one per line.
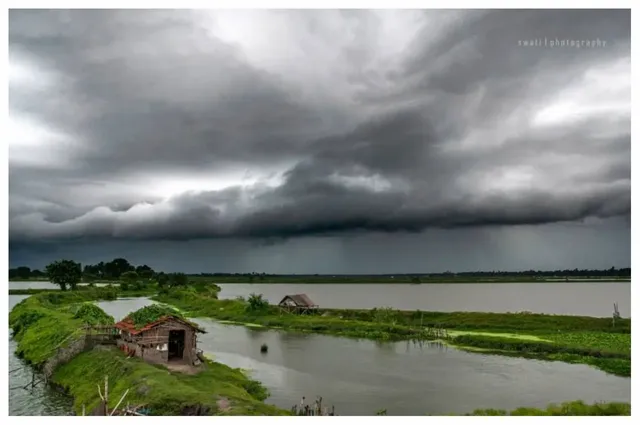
x=571, y=408
x=91, y=314
x=152, y=313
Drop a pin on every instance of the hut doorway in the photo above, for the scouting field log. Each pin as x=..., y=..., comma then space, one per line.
x=176, y=344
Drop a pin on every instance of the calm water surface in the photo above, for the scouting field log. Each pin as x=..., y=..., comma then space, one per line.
x=361, y=377
x=572, y=298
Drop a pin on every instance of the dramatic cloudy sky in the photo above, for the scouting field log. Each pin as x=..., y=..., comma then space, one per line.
x=320, y=141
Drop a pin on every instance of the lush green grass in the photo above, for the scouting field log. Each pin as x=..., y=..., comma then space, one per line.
x=572, y=339
x=572, y=408
x=44, y=322
x=163, y=392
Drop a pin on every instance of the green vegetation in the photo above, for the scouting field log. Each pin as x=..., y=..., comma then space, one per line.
x=153, y=313
x=163, y=392
x=47, y=321
x=65, y=272
x=572, y=339
x=42, y=323
x=90, y=314
x=572, y=408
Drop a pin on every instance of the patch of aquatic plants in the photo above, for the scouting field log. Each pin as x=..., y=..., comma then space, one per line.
x=510, y=344
x=572, y=408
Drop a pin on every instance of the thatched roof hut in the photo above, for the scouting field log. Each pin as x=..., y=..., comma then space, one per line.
x=299, y=302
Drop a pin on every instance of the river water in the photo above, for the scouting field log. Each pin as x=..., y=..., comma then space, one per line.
x=361, y=377
x=572, y=298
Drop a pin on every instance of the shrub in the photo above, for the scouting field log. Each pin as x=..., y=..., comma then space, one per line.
x=257, y=303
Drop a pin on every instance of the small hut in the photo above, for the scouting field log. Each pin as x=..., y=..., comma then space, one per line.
x=299, y=303
x=168, y=338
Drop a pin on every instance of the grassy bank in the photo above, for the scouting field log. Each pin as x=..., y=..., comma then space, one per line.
x=217, y=389
x=147, y=290
x=44, y=323
x=572, y=339
x=572, y=408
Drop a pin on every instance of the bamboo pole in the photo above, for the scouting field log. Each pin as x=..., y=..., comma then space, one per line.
x=106, y=394
x=117, y=405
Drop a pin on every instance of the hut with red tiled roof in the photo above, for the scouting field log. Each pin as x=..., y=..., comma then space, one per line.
x=159, y=335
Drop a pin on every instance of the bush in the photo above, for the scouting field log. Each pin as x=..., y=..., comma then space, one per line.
x=256, y=303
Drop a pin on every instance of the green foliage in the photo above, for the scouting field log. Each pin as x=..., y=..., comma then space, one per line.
x=178, y=280
x=152, y=313
x=91, y=314
x=511, y=344
x=129, y=276
x=256, y=303
x=572, y=408
x=165, y=393
x=40, y=327
x=65, y=272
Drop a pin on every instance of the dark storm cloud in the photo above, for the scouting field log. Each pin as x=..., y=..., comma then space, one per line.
x=441, y=128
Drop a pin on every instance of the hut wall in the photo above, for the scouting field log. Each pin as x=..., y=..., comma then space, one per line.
x=153, y=345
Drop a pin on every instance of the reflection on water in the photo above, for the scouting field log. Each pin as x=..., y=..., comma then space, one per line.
x=361, y=377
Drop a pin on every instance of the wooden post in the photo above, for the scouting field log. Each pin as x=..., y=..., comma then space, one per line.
x=83, y=409
x=33, y=378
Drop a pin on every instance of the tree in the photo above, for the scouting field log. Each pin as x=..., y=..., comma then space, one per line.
x=144, y=271
x=163, y=280
x=178, y=279
x=65, y=272
x=114, y=269
x=130, y=276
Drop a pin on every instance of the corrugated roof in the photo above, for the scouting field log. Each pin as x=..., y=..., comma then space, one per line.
x=128, y=325
x=301, y=300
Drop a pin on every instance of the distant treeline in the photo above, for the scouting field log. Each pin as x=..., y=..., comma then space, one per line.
x=114, y=269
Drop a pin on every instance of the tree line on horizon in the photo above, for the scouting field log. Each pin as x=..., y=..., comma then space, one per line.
x=68, y=273
x=121, y=267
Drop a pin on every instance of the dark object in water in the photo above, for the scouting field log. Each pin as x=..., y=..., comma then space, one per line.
x=264, y=348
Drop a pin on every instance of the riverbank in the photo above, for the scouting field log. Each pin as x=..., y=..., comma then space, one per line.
x=47, y=329
x=571, y=408
x=150, y=289
x=571, y=339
